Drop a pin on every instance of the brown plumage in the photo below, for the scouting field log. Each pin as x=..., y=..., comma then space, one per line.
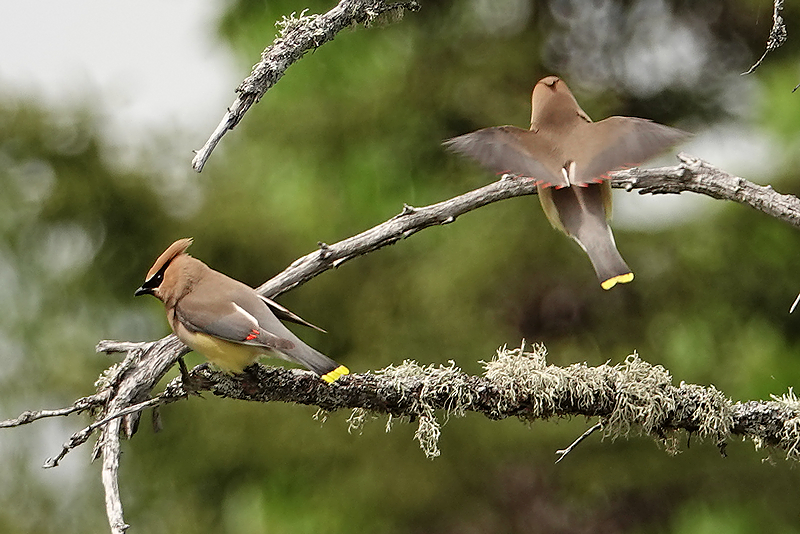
x=570, y=157
x=226, y=320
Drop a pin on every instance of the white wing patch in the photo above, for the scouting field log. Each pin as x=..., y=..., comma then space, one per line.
x=569, y=171
x=244, y=312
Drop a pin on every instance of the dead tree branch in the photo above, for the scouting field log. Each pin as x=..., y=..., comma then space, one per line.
x=131, y=381
x=777, y=36
x=697, y=176
x=297, y=36
x=126, y=388
x=81, y=405
x=633, y=396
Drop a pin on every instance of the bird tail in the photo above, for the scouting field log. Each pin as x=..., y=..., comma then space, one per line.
x=611, y=269
x=581, y=212
x=314, y=360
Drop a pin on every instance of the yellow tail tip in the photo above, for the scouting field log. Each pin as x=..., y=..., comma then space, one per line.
x=619, y=279
x=335, y=374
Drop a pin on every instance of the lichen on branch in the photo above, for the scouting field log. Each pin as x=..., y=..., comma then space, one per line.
x=629, y=397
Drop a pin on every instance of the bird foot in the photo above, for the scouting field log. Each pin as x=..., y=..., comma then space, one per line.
x=191, y=384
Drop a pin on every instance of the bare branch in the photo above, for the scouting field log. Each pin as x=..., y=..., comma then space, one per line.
x=173, y=392
x=562, y=453
x=109, y=444
x=697, y=176
x=691, y=175
x=80, y=405
x=777, y=36
x=297, y=36
x=633, y=396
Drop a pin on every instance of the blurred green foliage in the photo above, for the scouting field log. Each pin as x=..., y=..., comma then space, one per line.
x=351, y=133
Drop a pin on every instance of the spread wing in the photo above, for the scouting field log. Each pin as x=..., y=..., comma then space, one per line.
x=248, y=321
x=508, y=149
x=618, y=143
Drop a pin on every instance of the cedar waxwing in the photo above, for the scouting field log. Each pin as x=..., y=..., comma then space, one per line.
x=226, y=320
x=570, y=157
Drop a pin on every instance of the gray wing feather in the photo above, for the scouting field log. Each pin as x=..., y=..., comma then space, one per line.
x=286, y=315
x=618, y=143
x=502, y=150
x=235, y=312
x=226, y=322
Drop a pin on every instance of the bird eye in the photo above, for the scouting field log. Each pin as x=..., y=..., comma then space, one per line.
x=154, y=280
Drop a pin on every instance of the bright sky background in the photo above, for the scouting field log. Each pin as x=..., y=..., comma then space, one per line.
x=145, y=64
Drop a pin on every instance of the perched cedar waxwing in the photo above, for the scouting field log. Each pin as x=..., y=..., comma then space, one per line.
x=226, y=320
x=570, y=157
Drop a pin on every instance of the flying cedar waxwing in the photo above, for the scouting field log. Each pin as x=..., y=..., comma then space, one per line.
x=226, y=320
x=570, y=157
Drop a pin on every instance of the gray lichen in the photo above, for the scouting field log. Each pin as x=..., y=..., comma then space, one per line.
x=442, y=386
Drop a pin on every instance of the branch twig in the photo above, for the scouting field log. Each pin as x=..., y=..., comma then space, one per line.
x=80, y=405
x=173, y=392
x=777, y=36
x=109, y=444
x=297, y=36
x=692, y=175
x=562, y=453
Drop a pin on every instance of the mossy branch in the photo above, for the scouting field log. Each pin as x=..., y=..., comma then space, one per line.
x=631, y=397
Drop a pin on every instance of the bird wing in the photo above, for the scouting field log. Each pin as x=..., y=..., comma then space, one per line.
x=285, y=315
x=617, y=143
x=249, y=322
x=508, y=149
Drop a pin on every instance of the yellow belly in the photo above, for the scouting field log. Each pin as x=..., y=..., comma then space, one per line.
x=231, y=357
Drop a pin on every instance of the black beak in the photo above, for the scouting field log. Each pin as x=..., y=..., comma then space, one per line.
x=143, y=291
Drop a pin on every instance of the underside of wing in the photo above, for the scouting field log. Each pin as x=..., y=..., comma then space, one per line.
x=618, y=143
x=508, y=149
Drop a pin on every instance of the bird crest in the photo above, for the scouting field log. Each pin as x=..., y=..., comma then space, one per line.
x=176, y=249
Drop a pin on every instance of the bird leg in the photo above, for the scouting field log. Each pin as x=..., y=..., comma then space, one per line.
x=191, y=384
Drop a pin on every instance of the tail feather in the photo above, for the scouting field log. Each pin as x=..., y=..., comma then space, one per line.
x=312, y=359
x=596, y=239
x=611, y=269
x=581, y=214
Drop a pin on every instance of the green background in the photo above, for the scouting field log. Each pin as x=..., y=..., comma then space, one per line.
x=351, y=133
